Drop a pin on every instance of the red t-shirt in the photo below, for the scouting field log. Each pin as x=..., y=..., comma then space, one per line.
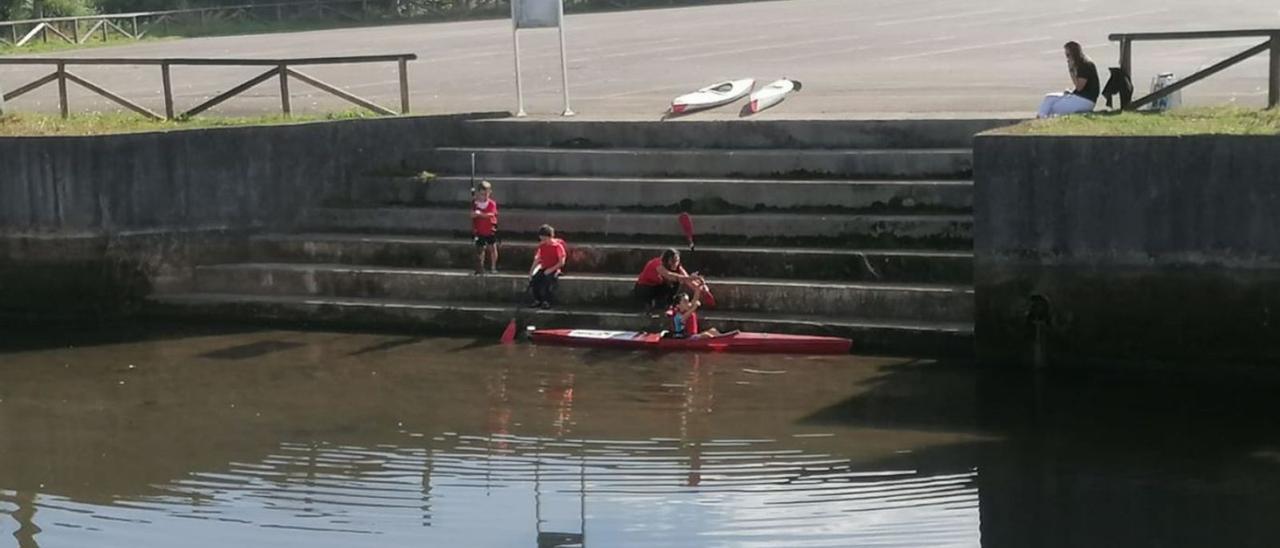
x=650, y=276
x=550, y=253
x=485, y=226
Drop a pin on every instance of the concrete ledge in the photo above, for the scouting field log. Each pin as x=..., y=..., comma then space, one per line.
x=871, y=265
x=748, y=134
x=1161, y=249
x=693, y=195
x=914, y=231
x=915, y=339
x=954, y=163
x=85, y=277
x=895, y=302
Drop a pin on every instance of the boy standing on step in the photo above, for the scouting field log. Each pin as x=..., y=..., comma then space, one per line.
x=484, y=226
x=548, y=264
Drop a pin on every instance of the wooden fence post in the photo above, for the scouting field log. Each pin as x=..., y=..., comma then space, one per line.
x=168, y=91
x=1126, y=56
x=1273, y=90
x=62, y=91
x=284, y=90
x=404, y=86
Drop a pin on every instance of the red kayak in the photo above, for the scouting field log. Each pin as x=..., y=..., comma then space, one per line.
x=756, y=343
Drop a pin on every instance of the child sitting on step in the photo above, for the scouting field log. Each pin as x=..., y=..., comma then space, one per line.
x=548, y=264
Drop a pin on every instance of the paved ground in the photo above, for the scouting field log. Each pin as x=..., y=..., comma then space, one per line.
x=856, y=58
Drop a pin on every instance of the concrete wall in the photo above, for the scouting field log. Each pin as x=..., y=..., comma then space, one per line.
x=90, y=224
x=1139, y=249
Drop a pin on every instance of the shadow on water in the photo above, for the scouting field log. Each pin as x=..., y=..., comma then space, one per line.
x=24, y=338
x=1093, y=458
x=250, y=350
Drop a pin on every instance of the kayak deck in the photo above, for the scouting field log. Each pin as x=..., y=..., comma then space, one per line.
x=747, y=342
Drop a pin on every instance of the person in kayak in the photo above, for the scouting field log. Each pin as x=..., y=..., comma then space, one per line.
x=684, y=320
x=661, y=278
x=484, y=226
x=548, y=265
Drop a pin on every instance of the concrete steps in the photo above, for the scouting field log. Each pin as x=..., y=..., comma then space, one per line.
x=852, y=265
x=857, y=228
x=708, y=195
x=742, y=134
x=870, y=336
x=886, y=301
x=899, y=163
x=853, y=230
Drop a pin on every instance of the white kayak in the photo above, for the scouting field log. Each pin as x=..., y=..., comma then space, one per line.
x=771, y=94
x=713, y=95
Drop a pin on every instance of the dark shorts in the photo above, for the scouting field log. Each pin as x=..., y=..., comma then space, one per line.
x=485, y=241
x=655, y=296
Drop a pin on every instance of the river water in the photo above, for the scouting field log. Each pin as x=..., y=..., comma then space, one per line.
x=199, y=437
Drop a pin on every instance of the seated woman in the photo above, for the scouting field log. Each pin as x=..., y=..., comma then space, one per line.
x=1084, y=78
x=684, y=320
x=662, y=278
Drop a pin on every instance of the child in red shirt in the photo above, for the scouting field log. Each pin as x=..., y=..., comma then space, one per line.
x=484, y=226
x=548, y=264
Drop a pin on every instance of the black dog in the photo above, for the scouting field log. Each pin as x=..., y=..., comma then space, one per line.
x=1119, y=83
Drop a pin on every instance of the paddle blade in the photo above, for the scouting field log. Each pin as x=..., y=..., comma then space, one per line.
x=509, y=334
x=708, y=300
x=686, y=225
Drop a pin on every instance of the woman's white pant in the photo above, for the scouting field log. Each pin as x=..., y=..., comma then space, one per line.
x=1057, y=104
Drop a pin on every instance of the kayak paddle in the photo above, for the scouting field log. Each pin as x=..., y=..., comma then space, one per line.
x=686, y=224
x=509, y=334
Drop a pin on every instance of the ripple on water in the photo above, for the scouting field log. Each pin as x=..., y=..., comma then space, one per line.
x=501, y=490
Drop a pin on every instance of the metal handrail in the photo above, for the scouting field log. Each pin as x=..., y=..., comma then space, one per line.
x=1272, y=45
x=280, y=68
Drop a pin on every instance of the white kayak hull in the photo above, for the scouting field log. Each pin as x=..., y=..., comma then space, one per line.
x=720, y=93
x=771, y=94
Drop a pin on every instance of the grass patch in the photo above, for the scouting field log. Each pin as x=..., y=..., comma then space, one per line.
x=1182, y=121
x=34, y=125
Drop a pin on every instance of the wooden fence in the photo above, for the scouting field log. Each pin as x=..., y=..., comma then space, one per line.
x=1271, y=45
x=282, y=69
x=135, y=25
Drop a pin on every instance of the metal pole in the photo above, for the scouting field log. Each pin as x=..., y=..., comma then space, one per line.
x=1273, y=90
x=168, y=91
x=564, y=65
x=135, y=27
x=404, y=86
x=284, y=91
x=75, y=31
x=62, y=91
x=515, y=38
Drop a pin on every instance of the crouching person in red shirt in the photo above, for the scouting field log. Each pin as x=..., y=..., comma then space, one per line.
x=548, y=264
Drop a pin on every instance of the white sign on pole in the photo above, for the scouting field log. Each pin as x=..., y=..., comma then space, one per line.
x=538, y=14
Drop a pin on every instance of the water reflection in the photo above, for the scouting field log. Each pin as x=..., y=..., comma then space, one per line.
x=333, y=439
